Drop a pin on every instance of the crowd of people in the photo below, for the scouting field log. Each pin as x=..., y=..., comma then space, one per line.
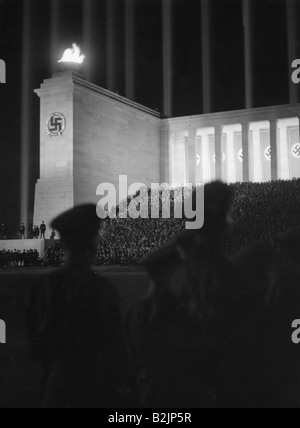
x=52, y=256
x=130, y=241
x=126, y=241
x=17, y=258
x=259, y=211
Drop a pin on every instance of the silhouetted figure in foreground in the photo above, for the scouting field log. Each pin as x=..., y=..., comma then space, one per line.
x=200, y=338
x=171, y=334
x=284, y=303
x=75, y=323
x=271, y=284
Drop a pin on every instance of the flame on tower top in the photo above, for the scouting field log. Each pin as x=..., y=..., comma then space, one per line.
x=73, y=55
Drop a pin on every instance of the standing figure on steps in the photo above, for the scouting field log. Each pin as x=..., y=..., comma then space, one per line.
x=22, y=231
x=43, y=229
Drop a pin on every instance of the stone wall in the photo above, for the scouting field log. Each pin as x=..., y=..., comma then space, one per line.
x=112, y=138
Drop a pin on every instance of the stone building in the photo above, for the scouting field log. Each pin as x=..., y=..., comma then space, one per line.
x=90, y=135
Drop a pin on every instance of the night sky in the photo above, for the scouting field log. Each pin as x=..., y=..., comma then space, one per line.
x=271, y=72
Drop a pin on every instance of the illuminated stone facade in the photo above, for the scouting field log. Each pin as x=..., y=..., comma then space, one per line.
x=90, y=136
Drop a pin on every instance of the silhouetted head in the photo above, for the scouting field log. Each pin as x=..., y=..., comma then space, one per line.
x=217, y=200
x=78, y=229
x=218, y=197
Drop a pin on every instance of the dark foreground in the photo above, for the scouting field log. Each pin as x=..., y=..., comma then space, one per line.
x=19, y=374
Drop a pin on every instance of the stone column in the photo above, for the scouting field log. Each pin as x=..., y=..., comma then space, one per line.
x=191, y=158
x=274, y=154
x=283, y=150
x=206, y=153
x=219, y=151
x=245, y=140
x=230, y=130
x=256, y=155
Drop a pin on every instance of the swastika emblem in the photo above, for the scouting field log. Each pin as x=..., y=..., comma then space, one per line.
x=296, y=150
x=56, y=124
x=241, y=155
x=268, y=153
x=223, y=158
